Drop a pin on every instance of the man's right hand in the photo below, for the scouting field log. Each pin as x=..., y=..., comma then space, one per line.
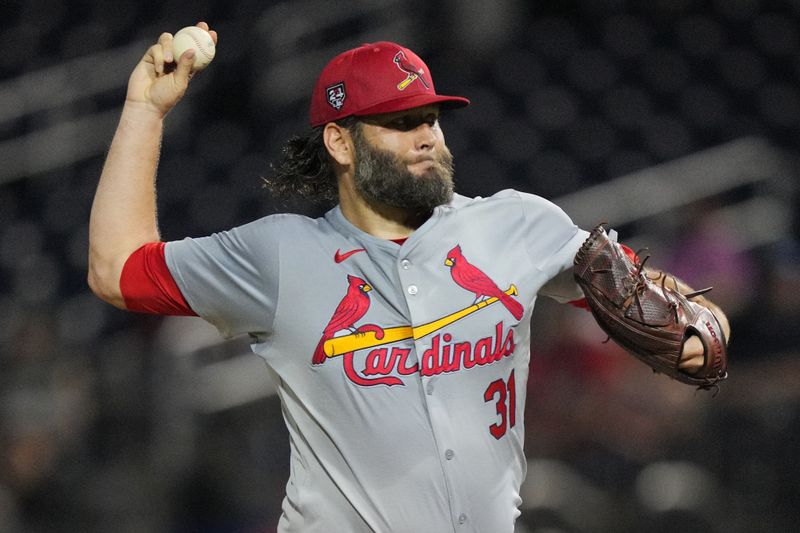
x=160, y=80
x=124, y=209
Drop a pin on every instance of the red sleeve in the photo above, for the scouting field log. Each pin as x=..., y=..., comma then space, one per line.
x=581, y=303
x=630, y=253
x=148, y=286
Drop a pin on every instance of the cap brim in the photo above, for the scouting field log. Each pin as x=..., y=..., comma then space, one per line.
x=412, y=101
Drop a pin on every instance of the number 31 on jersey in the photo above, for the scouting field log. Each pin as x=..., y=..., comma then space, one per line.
x=504, y=393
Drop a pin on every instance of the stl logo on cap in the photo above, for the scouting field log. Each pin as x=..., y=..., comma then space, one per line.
x=412, y=71
x=336, y=95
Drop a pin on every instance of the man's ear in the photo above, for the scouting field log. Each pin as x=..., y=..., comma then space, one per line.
x=339, y=143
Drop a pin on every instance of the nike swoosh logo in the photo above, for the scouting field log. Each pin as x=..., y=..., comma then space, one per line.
x=339, y=257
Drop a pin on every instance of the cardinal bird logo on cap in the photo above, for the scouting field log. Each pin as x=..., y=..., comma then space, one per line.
x=410, y=69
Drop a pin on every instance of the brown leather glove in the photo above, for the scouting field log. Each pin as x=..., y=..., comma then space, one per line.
x=650, y=321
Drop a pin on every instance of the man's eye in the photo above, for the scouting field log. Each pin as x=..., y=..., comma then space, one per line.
x=407, y=123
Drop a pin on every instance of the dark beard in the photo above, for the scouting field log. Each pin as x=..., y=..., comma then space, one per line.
x=382, y=178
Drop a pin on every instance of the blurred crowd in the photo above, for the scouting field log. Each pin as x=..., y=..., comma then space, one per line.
x=103, y=426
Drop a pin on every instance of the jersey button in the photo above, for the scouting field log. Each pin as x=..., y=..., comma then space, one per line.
x=449, y=454
x=412, y=290
x=406, y=264
x=462, y=518
x=429, y=388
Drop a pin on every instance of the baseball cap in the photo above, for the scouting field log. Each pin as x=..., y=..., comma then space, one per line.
x=374, y=78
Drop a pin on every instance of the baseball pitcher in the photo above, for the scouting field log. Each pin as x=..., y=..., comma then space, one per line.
x=396, y=326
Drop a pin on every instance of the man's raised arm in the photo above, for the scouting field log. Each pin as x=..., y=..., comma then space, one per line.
x=123, y=214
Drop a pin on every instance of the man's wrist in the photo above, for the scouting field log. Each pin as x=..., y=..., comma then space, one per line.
x=142, y=112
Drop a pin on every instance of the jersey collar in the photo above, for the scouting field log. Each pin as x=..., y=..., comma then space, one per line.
x=337, y=219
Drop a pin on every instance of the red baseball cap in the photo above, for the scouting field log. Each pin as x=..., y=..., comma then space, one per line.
x=374, y=78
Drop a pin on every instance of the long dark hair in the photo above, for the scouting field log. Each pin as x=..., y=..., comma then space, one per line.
x=306, y=169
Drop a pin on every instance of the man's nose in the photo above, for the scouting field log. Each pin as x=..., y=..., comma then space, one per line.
x=425, y=137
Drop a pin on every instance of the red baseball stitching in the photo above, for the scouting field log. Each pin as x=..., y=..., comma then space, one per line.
x=200, y=47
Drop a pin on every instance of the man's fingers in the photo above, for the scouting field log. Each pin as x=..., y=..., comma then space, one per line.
x=155, y=55
x=204, y=26
x=693, y=355
x=165, y=43
x=184, y=71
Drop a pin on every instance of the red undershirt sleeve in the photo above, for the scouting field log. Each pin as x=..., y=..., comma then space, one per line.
x=147, y=285
x=581, y=303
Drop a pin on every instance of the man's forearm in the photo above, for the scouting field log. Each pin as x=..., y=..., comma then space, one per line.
x=124, y=210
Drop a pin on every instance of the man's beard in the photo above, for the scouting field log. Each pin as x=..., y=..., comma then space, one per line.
x=381, y=177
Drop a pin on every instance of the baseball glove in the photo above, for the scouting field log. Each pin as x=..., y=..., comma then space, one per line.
x=649, y=320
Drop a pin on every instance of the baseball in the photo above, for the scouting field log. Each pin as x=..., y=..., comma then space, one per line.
x=198, y=39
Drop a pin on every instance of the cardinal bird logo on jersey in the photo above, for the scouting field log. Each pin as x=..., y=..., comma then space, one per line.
x=411, y=71
x=373, y=355
x=350, y=310
x=469, y=277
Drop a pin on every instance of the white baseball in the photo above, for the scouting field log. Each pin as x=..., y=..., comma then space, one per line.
x=198, y=39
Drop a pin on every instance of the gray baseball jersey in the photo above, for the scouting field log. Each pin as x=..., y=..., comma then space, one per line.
x=401, y=370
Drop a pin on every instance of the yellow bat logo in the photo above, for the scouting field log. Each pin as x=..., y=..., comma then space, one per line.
x=362, y=341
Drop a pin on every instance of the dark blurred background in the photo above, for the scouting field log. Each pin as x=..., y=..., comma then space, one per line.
x=675, y=120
